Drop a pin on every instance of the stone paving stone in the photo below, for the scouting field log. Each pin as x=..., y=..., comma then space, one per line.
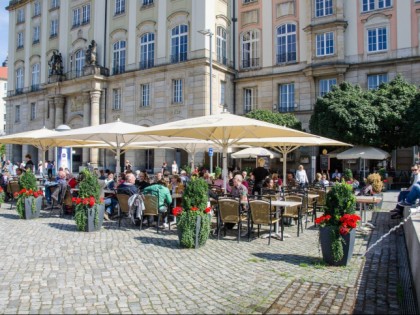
x=130, y=271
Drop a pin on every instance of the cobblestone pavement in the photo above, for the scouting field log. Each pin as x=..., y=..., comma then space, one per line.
x=49, y=267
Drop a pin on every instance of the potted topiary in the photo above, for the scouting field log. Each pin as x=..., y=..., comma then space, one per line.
x=193, y=218
x=89, y=209
x=29, y=198
x=337, y=231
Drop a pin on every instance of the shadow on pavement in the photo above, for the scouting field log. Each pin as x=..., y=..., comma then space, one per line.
x=159, y=241
x=64, y=226
x=289, y=258
x=13, y=216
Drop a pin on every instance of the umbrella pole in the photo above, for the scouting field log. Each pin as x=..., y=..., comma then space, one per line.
x=118, y=170
x=225, y=149
x=284, y=168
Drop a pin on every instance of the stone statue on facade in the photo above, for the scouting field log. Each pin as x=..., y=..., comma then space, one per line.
x=90, y=56
x=56, y=63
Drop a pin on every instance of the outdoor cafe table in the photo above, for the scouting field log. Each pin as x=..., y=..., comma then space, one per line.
x=282, y=204
x=363, y=202
x=175, y=197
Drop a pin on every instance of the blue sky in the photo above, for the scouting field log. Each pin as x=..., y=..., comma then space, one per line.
x=4, y=29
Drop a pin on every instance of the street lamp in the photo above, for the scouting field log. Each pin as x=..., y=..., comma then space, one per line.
x=209, y=33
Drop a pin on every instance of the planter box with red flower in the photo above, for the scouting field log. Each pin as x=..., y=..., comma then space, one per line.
x=29, y=203
x=338, y=225
x=193, y=219
x=89, y=207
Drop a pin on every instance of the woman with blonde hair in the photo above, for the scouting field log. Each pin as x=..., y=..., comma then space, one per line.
x=301, y=176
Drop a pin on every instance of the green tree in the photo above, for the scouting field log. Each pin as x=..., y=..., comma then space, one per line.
x=394, y=100
x=346, y=114
x=281, y=119
x=386, y=117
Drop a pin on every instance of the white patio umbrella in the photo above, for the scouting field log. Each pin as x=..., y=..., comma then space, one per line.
x=222, y=129
x=191, y=146
x=115, y=134
x=286, y=145
x=42, y=139
x=254, y=152
x=364, y=153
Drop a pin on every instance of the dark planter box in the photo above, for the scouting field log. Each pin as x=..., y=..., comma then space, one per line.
x=90, y=226
x=28, y=208
x=348, y=246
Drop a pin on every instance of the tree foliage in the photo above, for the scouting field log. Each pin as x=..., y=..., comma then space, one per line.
x=378, y=118
x=281, y=119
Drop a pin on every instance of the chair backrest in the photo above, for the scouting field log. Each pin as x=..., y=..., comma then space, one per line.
x=123, y=202
x=295, y=210
x=13, y=186
x=321, y=201
x=260, y=211
x=229, y=210
x=151, y=204
x=268, y=191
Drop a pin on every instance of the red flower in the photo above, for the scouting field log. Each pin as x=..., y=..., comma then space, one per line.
x=207, y=210
x=1, y=189
x=36, y=194
x=176, y=211
x=322, y=219
x=344, y=230
x=194, y=208
x=74, y=199
x=16, y=194
x=91, y=203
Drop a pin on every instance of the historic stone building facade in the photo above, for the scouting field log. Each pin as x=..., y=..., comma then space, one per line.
x=146, y=62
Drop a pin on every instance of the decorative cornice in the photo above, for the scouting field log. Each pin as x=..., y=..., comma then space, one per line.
x=321, y=26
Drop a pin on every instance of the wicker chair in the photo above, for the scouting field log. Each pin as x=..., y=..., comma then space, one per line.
x=261, y=213
x=295, y=212
x=230, y=212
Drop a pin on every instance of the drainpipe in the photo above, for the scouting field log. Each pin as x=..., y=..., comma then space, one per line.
x=234, y=20
x=105, y=35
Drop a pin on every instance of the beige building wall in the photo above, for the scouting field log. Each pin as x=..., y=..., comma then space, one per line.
x=87, y=98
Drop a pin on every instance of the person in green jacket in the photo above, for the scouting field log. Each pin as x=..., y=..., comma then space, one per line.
x=165, y=197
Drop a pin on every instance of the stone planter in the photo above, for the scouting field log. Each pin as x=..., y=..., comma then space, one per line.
x=325, y=238
x=90, y=226
x=29, y=214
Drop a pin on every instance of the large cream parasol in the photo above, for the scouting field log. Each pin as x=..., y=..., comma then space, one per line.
x=364, y=153
x=254, y=152
x=223, y=129
x=286, y=145
x=43, y=139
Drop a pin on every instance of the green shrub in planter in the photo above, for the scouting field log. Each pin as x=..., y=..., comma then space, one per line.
x=193, y=218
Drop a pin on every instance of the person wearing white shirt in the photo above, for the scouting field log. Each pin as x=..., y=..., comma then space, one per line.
x=174, y=168
x=301, y=176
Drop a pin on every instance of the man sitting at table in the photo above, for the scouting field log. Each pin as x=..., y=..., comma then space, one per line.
x=165, y=198
x=125, y=188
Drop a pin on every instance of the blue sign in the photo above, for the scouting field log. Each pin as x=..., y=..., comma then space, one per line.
x=210, y=151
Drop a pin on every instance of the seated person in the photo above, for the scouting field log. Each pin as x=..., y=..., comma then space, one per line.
x=290, y=180
x=165, y=198
x=142, y=181
x=61, y=182
x=126, y=188
x=176, y=186
x=407, y=197
x=109, y=181
x=324, y=181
